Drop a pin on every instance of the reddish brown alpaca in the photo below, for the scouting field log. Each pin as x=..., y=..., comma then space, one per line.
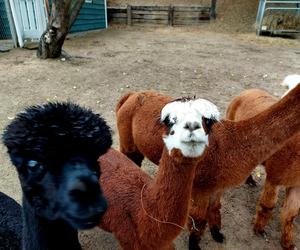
x=138, y=204
x=282, y=168
x=220, y=168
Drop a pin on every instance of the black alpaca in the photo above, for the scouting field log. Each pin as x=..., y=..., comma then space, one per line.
x=55, y=148
x=10, y=223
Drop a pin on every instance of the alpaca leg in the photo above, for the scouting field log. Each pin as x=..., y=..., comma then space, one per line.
x=136, y=157
x=128, y=148
x=289, y=211
x=196, y=233
x=214, y=216
x=197, y=221
x=127, y=144
x=266, y=204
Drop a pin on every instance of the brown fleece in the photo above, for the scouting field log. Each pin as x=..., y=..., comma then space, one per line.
x=282, y=168
x=235, y=148
x=137, y=120
x=134, y=197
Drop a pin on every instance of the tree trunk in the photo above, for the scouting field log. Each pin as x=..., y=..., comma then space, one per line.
x=61, y=18
x=51, y=42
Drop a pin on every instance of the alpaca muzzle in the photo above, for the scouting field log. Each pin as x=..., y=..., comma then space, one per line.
x=82, y=196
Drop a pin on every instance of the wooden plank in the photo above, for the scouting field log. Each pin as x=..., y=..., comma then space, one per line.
x=150, y=12
x=191, y=8
x=31, y=12
x=213, y=9
x=189, y=23
x=117, y=15
x=150, y=24
x=190, y=14
x=171, y=15
x=148, y=17
x=116, y=18
x=117, y=10
x=129, y=15
x=191, y=19
x=119, y=21
x=24, y=16
x=149, y=21
x=151, y=8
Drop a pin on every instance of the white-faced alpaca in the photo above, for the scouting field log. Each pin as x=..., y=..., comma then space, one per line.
x=146, y=213
x=252, y=140
x=290, y=82
x=282, y=168
x=55, y=148
x=10, y=223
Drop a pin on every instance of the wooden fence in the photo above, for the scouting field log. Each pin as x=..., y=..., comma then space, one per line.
x=161, y=15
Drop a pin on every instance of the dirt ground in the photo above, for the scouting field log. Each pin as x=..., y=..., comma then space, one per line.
x=174, y=61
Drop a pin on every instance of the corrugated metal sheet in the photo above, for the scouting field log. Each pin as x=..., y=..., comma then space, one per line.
x=91, y=16
x=4, y=24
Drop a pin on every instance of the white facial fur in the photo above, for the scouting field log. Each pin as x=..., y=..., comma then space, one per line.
x=290, y=82
x=188, y=134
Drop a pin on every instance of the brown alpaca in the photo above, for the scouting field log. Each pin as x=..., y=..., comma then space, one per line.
x=145, y=213
x=282, y=168
x=234, y=149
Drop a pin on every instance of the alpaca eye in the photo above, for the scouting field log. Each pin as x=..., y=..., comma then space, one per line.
x=33, y=165
x=207, y=124
x=167, y=122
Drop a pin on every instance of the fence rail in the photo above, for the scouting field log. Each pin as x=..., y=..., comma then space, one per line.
x=161, y=15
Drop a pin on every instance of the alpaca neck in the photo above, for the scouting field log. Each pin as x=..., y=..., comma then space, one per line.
x=235, y=148
x=167, y=197
x=263, y=134
x=41, y=234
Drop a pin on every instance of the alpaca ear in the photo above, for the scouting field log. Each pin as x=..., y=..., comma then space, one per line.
x=207, y=123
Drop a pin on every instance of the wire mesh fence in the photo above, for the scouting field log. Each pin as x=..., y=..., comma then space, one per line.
x=4, y=24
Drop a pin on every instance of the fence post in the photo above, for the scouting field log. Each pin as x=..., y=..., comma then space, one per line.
x=171, y=15
x=213, y=9
x=129, y=20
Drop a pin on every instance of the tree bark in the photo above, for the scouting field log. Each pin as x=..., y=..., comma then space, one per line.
x=63, y=16
x=51, y=42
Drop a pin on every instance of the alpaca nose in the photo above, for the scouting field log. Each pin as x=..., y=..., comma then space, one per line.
x=79, y=186
x=191, y=126
x=85, y=188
